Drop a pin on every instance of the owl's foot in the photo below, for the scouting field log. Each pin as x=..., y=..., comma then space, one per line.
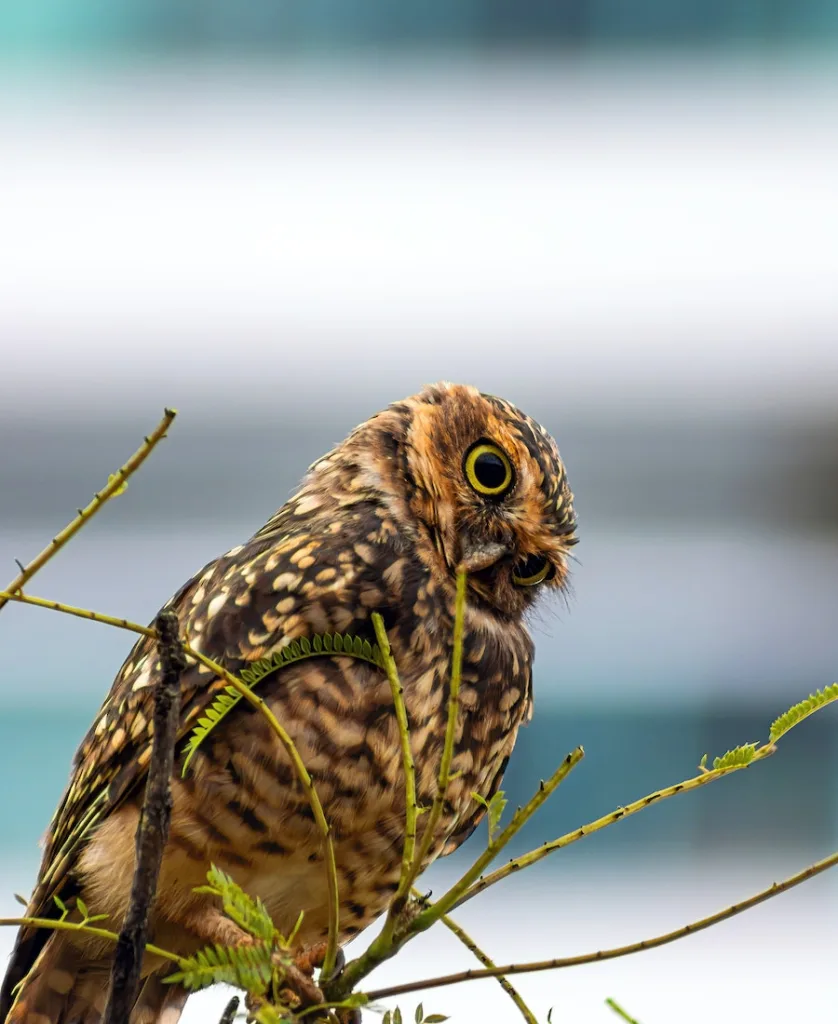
x=313, y=957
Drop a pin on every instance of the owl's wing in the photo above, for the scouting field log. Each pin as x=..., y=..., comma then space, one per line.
x=234, y=610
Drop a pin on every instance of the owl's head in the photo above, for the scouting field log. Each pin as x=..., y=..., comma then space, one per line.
x=488, y=491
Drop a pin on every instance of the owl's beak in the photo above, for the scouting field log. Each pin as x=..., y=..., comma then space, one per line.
x=477, y=556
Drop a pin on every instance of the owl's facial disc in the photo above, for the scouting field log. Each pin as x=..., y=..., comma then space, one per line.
x=492, y=490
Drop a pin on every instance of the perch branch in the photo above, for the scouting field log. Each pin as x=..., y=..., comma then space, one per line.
x=611, y=954
x=153, y=826
x=487, y=962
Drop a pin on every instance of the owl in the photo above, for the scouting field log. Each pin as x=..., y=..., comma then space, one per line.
x=448, y=480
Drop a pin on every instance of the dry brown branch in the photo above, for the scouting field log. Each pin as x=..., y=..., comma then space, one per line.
x=153, y=827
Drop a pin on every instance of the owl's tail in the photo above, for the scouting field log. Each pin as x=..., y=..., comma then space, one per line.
x=64, y=988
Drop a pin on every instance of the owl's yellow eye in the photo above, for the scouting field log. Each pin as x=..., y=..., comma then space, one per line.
x=488, y=470
x=534, y=570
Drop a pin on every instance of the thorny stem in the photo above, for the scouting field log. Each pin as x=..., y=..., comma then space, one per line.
x=264, y=710
x=153, y=826
x=86, y=929
x=450, y=732
x=611, y=954
x=526, y=859
x=114, y=485
x=451, y=898
x=487, y=962
x=389, y=940
x=402, y=892
x=379, y=952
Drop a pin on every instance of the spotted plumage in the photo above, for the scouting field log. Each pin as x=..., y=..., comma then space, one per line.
x=448, y=478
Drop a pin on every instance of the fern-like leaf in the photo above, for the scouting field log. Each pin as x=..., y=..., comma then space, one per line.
x=736, y=758
x=248, y=913
x=319, y=645
x=244, y=967
x=796, y=714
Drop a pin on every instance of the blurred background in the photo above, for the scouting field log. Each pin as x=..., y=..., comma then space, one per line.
x=279, y=217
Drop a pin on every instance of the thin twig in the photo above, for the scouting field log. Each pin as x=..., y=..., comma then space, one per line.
x=611, y=954
x=435, y=812
x=114, y=485
x=378, y=952
x=388, y=941
x=264, y=710
x=487, y=962
x=407, y=763
x=153, y=826
x=612, y=1004
x=56, y=924
x=81, y=613
x=452, y=897
x=527, y=859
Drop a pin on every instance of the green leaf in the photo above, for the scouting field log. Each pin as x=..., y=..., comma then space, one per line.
x=388, y=1018
x=305, y=647
x=735, y=758
x=397, y=1016
x=82, y=906
x=21, y=900
x=418, y=1016
x=249, y=914
x=245, y=967
x=495, y=807
x=798, y=712
x=435, y=1018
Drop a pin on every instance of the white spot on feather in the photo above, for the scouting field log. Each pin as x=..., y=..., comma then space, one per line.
x=217, y=603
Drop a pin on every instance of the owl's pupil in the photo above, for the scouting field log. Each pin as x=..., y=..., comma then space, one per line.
x=532, y=567
x=490, y=470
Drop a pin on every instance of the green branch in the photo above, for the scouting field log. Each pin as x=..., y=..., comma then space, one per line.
x=409, y=767
x=450, y=730
x=615, y=1006
x=487, y=962
x=86, y=929
x=378, y=951
x=612, y=954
